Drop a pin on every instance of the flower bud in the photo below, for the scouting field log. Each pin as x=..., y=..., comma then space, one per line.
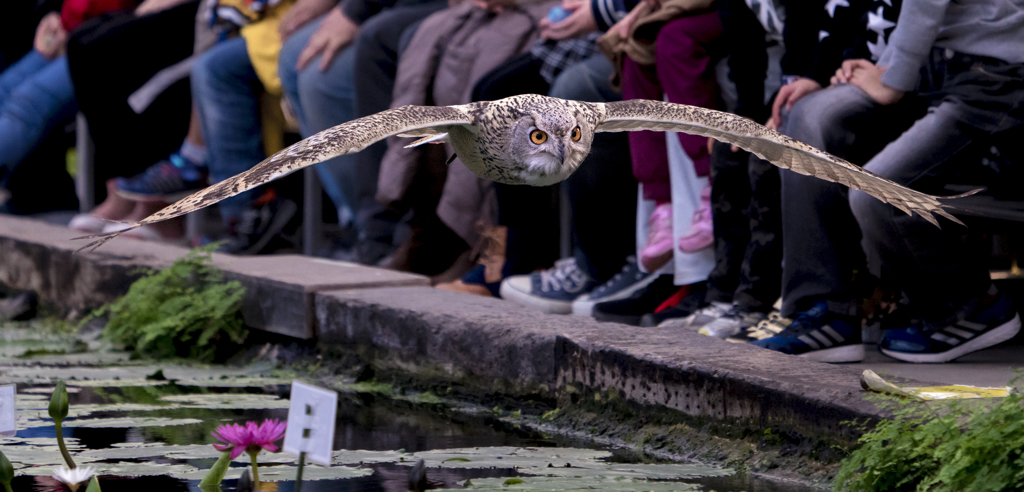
x=59, y=402
x=6, y=469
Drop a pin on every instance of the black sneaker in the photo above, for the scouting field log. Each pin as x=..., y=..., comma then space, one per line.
x=620, y=286
x=686, y=306
x=643, y=301
x=166, y=181
x=261, y=230
x=821, y=335
x=551, y=290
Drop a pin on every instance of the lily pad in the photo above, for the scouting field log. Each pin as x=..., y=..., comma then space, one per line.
x=511, y=457
x=127, y=422
x=235, y=382
x=356, y=456
x=559, y=484
x=229, y=401
x=114, y=383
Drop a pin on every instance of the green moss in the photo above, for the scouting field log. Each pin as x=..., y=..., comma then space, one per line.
x=184, y=310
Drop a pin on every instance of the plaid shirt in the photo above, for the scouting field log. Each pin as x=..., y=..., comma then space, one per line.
x=556, y=56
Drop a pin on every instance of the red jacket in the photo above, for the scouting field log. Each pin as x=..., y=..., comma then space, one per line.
x=74, y=12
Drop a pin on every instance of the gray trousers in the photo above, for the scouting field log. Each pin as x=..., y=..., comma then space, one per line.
x=943, y=272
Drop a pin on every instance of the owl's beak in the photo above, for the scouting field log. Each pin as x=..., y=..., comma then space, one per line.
x=561, y=152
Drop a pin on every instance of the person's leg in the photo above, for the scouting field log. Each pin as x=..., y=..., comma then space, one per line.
x=822, y=240
x=602, y=194
x=647, y=148
x=289, y=74
x=943, y=271
x=14, y=75
x=38, y=104
x=730, y=187
x=226, y=91
x=683, y=64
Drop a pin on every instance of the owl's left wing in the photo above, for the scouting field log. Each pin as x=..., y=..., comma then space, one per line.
x=346, y=138
x=772, y=146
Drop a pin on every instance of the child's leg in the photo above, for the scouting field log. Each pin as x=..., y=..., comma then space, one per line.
x=683, y=54
x=647, y=148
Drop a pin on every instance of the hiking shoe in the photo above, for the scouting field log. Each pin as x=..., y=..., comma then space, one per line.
x=620, y=286
x=639, y=303
x=732, y=323
x=700, y=317
x=550, y=291
x=685, y=305
x=167, y=181
x=821, y=335
x=981, y=329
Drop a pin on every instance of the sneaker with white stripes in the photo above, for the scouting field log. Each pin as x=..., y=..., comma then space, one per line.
x=985, y=327
x=819, y=334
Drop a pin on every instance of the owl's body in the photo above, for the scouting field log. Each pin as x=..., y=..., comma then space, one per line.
x=538, y=140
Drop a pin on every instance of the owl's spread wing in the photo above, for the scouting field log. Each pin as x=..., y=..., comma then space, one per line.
x=346, y=138
x=772, y=146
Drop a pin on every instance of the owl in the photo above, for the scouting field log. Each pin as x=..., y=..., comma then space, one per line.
x=539, y=140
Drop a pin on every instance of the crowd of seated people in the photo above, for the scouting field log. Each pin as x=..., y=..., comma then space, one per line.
x=667, y=231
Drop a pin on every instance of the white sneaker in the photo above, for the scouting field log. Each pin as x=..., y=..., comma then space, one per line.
x=701, y=317
x=732, y=323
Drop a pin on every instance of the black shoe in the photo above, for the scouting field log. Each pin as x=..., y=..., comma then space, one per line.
x=685, y=307
x=641, y=302
x=261, y=230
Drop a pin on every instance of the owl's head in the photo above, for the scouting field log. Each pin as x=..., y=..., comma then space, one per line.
x=548, y=145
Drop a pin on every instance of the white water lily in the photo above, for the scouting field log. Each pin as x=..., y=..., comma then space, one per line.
x=72, y=477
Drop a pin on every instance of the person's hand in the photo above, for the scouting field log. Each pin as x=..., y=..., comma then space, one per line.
x=622, y=27
x=580, y=22
x=51, y=37
x=150, y=6
x=868, y=77
x=335, y=32
x=494, y=6
x=788, y=95
x=300, y=14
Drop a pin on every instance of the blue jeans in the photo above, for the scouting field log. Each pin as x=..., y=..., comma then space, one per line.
x=226, y=91
x=943, y=272
x=36, y=95
x=320, y=101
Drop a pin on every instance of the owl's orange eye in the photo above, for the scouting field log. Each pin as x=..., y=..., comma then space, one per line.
x=538, y=137
x=576, y=134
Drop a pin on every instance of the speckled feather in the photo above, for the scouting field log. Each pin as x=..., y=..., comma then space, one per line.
x=771, y=146
x=481, y=134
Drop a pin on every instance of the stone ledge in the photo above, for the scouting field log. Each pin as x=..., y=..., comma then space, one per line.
x=279, y=289
x=489, y=340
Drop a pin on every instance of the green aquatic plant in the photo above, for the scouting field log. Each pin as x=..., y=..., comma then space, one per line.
x=58, y=411
x=6, y=472
x=965, y=446
x=185, y=310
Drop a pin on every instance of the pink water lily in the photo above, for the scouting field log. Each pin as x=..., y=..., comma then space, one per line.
x=250, y=438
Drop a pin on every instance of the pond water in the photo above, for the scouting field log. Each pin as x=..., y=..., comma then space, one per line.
x=137, y=429
x=147, y=428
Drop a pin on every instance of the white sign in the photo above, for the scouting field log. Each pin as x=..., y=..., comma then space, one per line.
x=8, y=418
x=311, y=422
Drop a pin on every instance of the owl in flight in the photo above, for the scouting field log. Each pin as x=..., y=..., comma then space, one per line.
x=539, y=140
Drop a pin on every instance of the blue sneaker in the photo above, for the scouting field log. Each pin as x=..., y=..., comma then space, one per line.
x=166, y=181
x=819, y=334
x=981, y=329
x=552, y=290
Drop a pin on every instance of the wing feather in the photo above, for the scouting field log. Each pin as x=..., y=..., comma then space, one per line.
x=774, y=147
x=346, y=138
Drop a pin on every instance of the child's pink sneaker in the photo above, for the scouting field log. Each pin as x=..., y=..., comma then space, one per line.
x=659, y=238
x=701, y=233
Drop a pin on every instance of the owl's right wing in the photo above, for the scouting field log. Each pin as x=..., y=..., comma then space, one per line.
x=772, y=146
x=346, y=138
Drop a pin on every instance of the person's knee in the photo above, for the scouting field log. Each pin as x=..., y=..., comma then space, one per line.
x=288, y=59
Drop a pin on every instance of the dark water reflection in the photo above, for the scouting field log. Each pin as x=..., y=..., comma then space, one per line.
x=364, y=422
